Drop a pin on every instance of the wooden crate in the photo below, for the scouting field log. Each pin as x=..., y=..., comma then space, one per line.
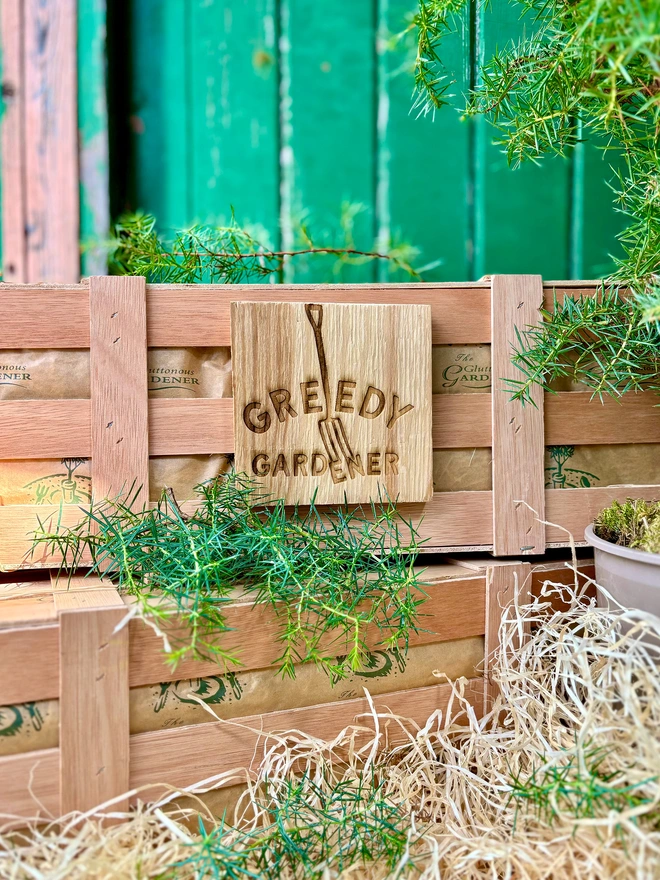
x=117, y=318
x=59, y=642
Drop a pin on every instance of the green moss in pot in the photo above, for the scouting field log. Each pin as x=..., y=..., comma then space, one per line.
x=626, y=541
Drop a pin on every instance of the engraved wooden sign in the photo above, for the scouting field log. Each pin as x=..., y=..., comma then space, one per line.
x=333, y=400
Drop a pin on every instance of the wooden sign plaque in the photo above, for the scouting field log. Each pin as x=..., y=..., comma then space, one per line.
x=333, y=400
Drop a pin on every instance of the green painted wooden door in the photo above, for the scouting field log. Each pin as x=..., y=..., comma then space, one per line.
x=298, y=112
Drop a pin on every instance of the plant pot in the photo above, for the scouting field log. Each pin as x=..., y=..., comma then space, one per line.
x=632, y=577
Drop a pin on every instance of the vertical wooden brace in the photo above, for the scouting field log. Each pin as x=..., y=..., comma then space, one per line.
x=94, y=700
x=12, y=171
x=505, y=583
x=518, y=434
x=118, y=380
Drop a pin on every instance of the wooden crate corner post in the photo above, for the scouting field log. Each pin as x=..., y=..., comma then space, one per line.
x=94, y=700
x=518, y=430
x=506, y=583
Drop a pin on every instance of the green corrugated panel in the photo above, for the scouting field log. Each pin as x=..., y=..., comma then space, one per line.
x=161, y=109
x=234, y=114
x=328, y=125
x=522, y=220
x=93, y=135
x=425, y=180
x=595, y=222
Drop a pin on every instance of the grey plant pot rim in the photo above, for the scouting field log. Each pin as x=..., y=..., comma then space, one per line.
x=616, y=550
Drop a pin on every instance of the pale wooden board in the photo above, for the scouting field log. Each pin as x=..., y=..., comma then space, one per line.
x=118, y=382
x=26, y=610
x=198, y=315
x=451, y=520
x=345, y=387
x=51, y=140
x=12, y=148
x=94, y=699
x=518, y=434
x=30, y=786
x=36, y=677
x=575, y=509
x=576, y=418
x=504, y=585
x=454, y=610
x=188, y=754
x=61, y=428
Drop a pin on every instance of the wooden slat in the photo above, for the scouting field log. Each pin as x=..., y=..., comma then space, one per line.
x=191, y=427
x=518, y=439
x=189, y=754
x=454, y=610
x=45, y=429
x=36, y=676
x=51, y=141
x=118, y=382
x=198, y=315
x=12, y=153
x=59, y=428
x=575, y=509
x=461, y=421
x=451, y=520
x=503, y=584
x=94, y=700
x=576, y=418
x=30, y=786
x=48, y=317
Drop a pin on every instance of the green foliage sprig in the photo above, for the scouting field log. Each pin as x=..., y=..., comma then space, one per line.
x=328, y=577
x=601, y=341
x=232, y=254
x=580, y=786
x=309, y=830
x=588, y=67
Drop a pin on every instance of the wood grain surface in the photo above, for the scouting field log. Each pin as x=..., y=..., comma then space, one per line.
x=198, y=315
x=518, y=434
x=333, y=401
x=505, y=584
x=189, y=755
x=118, y=382
x=51, y=141
x=94, y=717
x=183, y=756
x=14, y=198
x=196, y=426
x=454, y=610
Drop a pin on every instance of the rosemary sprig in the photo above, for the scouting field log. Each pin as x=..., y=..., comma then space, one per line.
x=231, y=254
x=327, y=576
x=601, y=341
x=580, y=785
x=586, y=68
x=312, y=829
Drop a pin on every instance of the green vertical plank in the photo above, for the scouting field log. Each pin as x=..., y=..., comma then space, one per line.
x=522, y=216
x=160, y=112
x=425, y=165
x=328, y=104
x=595, y=220
x=234, y=89
x=93, y=135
